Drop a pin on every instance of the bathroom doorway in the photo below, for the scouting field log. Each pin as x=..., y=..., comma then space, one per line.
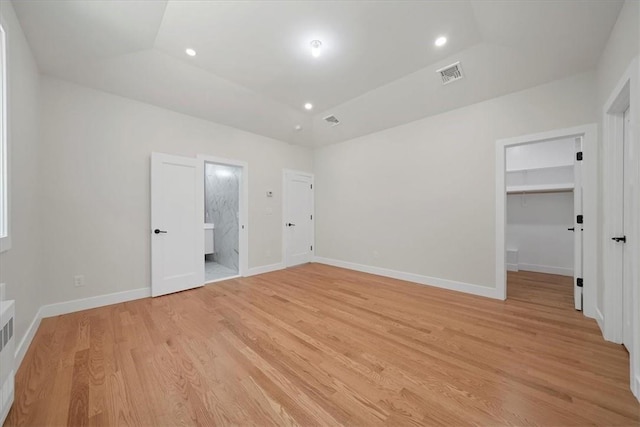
x=224, y=225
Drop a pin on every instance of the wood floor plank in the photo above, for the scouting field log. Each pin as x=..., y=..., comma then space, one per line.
x=319, y=345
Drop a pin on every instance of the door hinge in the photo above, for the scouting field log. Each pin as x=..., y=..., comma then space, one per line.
x=311, y=216
x=579, y=282
x=579, y=156
x=311, y=247
x=580, y=219
x=311, y=186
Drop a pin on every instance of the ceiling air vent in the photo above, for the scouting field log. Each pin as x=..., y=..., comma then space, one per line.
x=450, y=73
x=332, y=120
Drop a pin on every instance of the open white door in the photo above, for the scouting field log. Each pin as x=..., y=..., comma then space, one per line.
x=298, y=217
x=578, y=253
x=177, y=238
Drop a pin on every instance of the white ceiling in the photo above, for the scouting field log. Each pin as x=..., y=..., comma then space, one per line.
x=254, y=69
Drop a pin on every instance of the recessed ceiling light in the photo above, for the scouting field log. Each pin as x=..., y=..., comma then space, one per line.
x=441, y=41
x=190, y=52
x=316, y=45
x=308, y=106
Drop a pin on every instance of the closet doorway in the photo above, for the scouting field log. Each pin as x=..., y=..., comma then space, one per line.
x=546, y=217
x=544, y=221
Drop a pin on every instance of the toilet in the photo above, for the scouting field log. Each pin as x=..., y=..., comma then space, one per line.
x=208, y=238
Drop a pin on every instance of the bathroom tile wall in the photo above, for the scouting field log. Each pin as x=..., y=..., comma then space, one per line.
x=222, y=207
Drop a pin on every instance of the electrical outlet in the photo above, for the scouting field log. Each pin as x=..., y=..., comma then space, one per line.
x=78, y=281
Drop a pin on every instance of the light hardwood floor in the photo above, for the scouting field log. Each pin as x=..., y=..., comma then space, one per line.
x=318, y=345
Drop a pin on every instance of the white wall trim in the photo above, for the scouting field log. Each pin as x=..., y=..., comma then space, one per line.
x=25, y=342
x=626, y=93
x=72, y=306
x=265, y=269
x=512, y=267
x=600, y=320
x=468, y=288
x=66, y=307
x=590, y=183
x=549, y=269
x=612, y=123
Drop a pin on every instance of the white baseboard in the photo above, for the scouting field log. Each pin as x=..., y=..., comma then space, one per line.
x=93, y=302
x=265, y=269
x=25, y=342
x=70, y=307
x=512, y=267
x=600, y=320
x=468, y=288
x=546, y=269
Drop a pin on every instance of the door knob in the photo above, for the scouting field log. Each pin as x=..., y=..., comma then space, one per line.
x=290, y=225
x=622, y=239
x=158, y=231
x=571, y=229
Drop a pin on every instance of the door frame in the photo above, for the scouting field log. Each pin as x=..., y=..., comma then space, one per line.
x=284, y=211
x=590, y=210
x=625, y=95
x=243, y=230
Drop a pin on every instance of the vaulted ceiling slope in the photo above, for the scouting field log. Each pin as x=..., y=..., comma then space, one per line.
x=254, y=71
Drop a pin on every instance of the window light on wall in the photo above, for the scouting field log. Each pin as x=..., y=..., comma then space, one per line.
x=5, y=242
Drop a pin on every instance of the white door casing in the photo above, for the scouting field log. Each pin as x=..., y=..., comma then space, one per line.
x=629, y=213
x=621, y=201
x=177, y=238
x=297, y=211
x=577, y=226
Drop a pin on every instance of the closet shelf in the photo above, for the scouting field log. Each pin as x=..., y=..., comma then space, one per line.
x=540, y=188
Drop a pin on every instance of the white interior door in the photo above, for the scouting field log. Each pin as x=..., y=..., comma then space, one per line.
x=629, y=212
x=177, y=236
x=578, y=227
x=298, y=217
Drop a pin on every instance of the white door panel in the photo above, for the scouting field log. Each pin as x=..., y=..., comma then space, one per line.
x=298, y=216
x=177, y=238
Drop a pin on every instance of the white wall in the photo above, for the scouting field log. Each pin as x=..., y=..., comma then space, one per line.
x=20, y=265
x=419, y=198
x=95, y=185
x=623, y=45
x=537, y=227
